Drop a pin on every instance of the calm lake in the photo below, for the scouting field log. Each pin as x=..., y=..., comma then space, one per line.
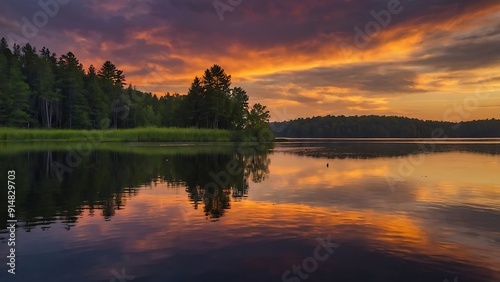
x=305, y=210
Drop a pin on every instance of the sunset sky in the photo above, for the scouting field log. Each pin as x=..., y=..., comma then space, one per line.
x=432, y=59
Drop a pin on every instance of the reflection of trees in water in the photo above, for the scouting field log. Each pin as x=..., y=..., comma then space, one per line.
x=104, y=181
x=257, y=167
x=214, y=178
x=217, y=203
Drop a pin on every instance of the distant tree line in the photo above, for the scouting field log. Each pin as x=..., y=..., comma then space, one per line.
x=40, y=90
x=383, y=127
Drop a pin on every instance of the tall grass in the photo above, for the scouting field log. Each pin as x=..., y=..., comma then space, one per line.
x=149, y=134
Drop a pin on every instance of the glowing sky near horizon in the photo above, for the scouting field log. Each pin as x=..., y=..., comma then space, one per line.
x=431, y=60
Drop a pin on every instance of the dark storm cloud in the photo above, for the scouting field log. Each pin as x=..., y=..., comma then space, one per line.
x=379, y=79
x=265, y=24
x=461, y=56
x=256, y=24
x=72, y=18
x=295, y=95
x=492, y=32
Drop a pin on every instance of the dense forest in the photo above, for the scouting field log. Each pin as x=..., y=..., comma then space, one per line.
x=383, y=127
x=40, y=90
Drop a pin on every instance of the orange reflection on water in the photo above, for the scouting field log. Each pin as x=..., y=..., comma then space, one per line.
x=443, y=212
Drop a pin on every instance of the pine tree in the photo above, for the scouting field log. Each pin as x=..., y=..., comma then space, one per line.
x=193, y=105
x=98, y=102
x=216, y=84
x=75, y=105
x=4, y=76
x=47, y=97
x=15, y=96
x=113, y=81
x=239, y=108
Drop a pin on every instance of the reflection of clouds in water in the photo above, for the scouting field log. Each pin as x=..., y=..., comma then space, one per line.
x=284, y=231
x=452, y=198
x=429, y=228
x=478, y=223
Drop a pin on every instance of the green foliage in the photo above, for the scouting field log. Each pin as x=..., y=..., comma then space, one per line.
x=150, y=134
x=212, y=103
x=109, y=73
x=39, y=90
x=258, y=116
x=216, y=91
x=239, y=108
x=75, y=105
x=98, y=102
x=15, y=97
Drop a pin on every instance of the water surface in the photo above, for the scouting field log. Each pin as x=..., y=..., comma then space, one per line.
x=396, y=211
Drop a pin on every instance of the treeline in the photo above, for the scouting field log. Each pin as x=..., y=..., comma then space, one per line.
x=40, y=90
x=383, y=127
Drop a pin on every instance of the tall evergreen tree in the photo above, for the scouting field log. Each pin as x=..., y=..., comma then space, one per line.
x=75, y=105
x=239, y=108
x=15, y=96
x=216, y=84
x=110, y=73
x=3, y=44
x=98, y=102
x=4, y=78
x=194, y=112
x=47, y=97
x=113, y=81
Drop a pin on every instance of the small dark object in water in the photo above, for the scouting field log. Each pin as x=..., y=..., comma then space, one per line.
x=327, y=164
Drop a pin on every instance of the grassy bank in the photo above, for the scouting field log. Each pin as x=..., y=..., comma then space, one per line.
x=118, y=135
